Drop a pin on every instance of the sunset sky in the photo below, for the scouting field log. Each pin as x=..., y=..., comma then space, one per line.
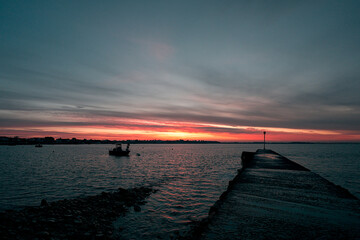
x=197, y=70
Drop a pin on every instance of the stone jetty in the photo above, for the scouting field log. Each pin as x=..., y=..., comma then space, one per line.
x=273, y=197
x=82, y=218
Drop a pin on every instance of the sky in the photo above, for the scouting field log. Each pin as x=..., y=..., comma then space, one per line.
x=195, y=70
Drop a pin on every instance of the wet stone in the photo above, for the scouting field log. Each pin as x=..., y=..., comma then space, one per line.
x=44, y=203
x=137, y=208
x=83, y=218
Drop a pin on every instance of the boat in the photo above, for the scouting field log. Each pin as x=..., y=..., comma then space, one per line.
x=117, y=151
x=38, y=145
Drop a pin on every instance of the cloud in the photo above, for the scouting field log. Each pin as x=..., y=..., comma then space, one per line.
x=156, y=49
x=279, y=65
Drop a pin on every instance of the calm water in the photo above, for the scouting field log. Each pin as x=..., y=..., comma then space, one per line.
x=190, y=178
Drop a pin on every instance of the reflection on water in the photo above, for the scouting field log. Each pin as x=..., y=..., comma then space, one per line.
x=193, y=179
x=189, y=178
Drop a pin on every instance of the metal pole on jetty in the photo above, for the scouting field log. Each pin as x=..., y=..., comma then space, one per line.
x=264, y=139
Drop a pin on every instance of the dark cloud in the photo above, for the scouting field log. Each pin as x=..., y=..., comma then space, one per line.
x=228, y=130
x=340, y=91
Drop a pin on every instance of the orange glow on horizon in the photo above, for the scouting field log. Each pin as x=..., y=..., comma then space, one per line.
x=167, y=130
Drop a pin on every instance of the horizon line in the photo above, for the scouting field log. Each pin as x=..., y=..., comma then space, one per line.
x=188, y=140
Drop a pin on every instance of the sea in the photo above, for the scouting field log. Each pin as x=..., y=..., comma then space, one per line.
x=189, y=178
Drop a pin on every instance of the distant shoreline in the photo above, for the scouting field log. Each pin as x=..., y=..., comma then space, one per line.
x=12, y=141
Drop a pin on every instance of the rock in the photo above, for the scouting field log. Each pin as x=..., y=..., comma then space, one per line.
x=78, y=221
x=43, y=235
x=44, y=203
x=99, y=235
x=52, y=220
x=137, y=208
x=82, y=218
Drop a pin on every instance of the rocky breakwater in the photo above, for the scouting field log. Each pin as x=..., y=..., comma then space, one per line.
x=82, y=218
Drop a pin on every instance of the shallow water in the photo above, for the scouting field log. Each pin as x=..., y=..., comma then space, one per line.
x=189, y=177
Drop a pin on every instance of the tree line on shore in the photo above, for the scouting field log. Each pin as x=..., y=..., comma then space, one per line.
x=51, y=140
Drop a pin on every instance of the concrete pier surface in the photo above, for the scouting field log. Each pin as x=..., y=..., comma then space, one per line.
x=275, y=198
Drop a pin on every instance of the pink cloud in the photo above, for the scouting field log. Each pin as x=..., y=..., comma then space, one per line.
x=157, y=49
